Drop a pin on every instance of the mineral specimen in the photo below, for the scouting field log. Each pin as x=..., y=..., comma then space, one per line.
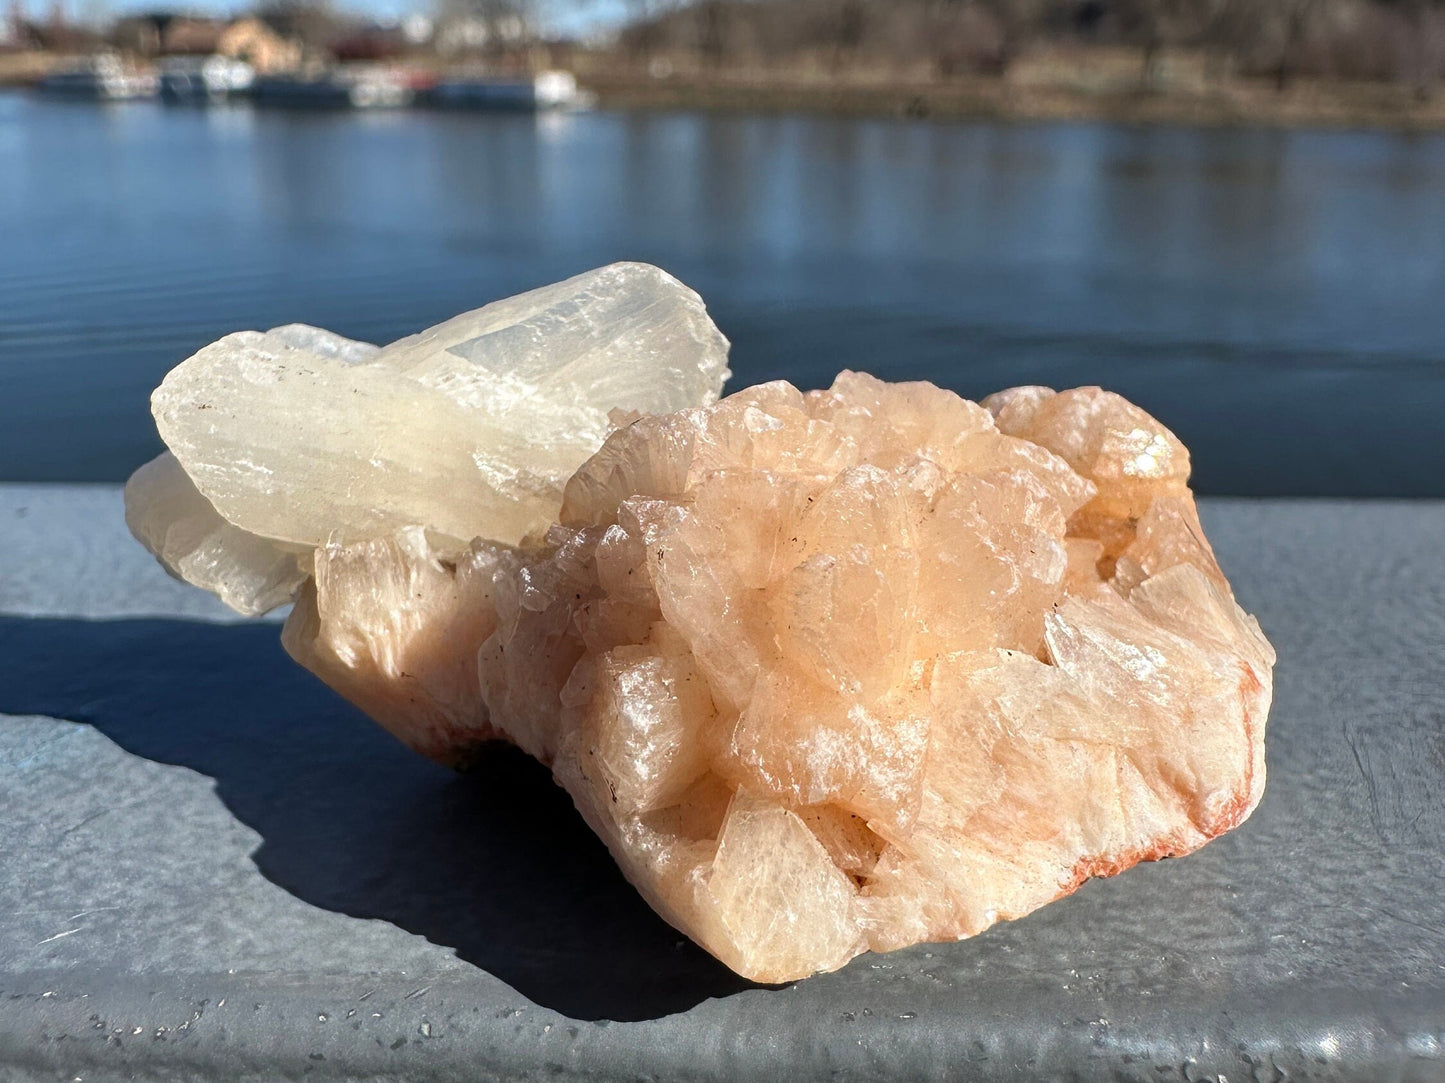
x=828, y=672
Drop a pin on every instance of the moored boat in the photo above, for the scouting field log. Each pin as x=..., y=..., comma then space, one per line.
x=348, y=87
x=99, y=78
x=201, y=80
x=525, y=93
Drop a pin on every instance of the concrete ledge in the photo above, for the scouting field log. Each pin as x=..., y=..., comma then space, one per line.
x=213, y=868
x=67, y=553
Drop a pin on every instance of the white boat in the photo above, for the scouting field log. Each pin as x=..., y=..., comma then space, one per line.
x=100, y=78
x=527, y=93
x=201, y=80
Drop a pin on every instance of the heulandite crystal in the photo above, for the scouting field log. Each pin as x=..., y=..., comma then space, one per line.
x=828, y=672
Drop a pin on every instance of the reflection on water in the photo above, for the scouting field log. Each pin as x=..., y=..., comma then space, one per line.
x=1275, y=296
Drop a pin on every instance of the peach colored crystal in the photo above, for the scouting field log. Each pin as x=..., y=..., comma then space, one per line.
x=838, y=671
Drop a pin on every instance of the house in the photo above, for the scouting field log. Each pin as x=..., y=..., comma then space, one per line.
x=256, y=43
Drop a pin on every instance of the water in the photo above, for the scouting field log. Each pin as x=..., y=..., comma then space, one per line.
x=1277, y=297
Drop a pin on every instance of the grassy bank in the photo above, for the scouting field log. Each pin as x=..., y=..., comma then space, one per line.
x=1238, y=102
x=25, y=68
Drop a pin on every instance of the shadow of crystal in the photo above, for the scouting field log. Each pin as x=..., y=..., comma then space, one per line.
x=495, y=864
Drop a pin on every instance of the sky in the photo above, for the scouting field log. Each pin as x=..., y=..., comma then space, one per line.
x=574, y=17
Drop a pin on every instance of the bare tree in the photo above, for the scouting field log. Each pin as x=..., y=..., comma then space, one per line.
x=1295, y=17
x=849, y=26
x=714, y=20
x=963, y=35
x=1157, y=25
x=1269, y=36
x=1019, y=22
x=1277, y=39
x=1421, y=49
x=314, y=23
x=643, y=37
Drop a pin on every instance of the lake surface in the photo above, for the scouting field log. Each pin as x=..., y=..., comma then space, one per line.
x=1278, y=298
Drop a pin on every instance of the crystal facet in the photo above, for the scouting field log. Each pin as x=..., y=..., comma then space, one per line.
x=828, y=672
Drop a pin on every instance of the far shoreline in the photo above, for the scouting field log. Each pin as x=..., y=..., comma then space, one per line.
x=1319, y=106
x=1226, y=103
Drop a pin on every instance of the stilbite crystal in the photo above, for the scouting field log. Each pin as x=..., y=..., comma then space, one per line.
x=828, y=672
x=470, y=428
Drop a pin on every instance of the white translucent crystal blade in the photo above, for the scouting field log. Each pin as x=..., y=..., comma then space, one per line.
x=626, y=336
x=186, y=534
x=470, y=429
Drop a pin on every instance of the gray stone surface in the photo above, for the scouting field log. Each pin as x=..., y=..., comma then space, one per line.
x=210, y=867
x=67, y=553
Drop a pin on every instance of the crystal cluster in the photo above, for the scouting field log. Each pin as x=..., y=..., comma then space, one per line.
x=828, y=672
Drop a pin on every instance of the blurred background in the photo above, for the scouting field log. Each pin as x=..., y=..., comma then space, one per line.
x=1231, y=211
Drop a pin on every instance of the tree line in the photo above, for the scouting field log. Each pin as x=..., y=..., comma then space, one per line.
x=1280, y=40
